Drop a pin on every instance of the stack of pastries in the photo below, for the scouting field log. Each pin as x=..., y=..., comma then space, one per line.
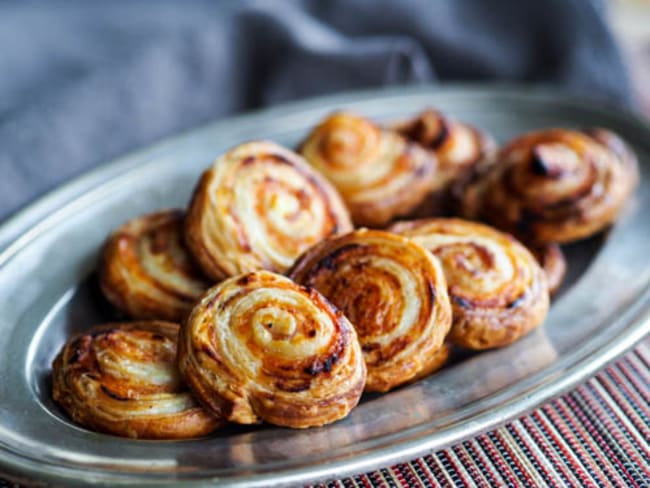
x=295, y=281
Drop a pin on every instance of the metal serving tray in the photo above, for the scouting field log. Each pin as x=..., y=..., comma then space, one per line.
x=48, y=291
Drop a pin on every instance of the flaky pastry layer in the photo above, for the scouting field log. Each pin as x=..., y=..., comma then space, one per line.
x=260, y=347
x=498, y=291
x=122, y=379
x=258, y=207
x=378, y=172
x=395, y=294
x=145, y=270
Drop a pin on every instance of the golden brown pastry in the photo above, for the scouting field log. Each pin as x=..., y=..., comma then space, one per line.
x=554, y=185
x=146, y=271
x=497, y=289
x=395, y=294
x=618, y=146
x=380, y=174
x=438, y=359
x=122, y=379
x=259, y=346
x=552, y=260
x=258, y=207
x=459, y=148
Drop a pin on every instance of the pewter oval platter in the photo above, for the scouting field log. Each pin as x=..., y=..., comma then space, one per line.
x=48, y=291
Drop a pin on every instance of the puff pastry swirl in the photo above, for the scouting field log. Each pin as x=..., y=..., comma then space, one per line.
x=458, y=146
x=379, y=173
x=258, y=207
x=395, y=294
x=497, y=289
x=122, y=379
x=552, y=260
x=259, y=346
x=146, y=271
x=555, y=185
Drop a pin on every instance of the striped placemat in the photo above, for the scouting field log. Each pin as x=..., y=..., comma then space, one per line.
x=597, y=435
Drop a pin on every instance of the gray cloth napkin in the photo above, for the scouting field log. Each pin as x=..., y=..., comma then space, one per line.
x=83, y=81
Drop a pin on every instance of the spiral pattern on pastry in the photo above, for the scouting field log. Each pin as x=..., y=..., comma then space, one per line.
x=618, y=147
x=122, y=379
x=392, y=290
x=258, y=207
x=259, y=346
x=146, y=271
x=554, y=185
x=379, y=173
x=497, y=289
x=458, y=146
x=552, y=260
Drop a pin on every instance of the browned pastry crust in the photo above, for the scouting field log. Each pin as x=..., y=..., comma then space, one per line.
x=460, y=149
x=258, y=207
x=497, y=289
x=619, y=147
x=552, y=260
x=555, y=185
x=145, y=270
x=122, y=379
x=393, y=291
x=379, y=173
x=438, y=360
x=259, y=346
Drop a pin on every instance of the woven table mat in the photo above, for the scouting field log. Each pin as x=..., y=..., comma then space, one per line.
x=597, y=435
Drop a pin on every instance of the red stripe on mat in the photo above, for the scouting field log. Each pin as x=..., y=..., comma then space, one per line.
x=597, y=435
